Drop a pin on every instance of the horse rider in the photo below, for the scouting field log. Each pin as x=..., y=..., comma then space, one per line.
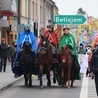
x=69, y=40
x=24, y=36
x=52, y=37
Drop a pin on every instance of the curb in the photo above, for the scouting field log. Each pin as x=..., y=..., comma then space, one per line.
x=8, y=85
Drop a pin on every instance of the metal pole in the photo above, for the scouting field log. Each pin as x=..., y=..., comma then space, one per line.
x=38, y=14
x=45, y=13
x=29, y=11
x=0, y=36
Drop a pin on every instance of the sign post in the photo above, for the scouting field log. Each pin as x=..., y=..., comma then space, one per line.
x=69, y=19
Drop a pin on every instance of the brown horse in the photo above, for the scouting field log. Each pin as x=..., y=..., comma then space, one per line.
x=45, y=58
x=67, y=66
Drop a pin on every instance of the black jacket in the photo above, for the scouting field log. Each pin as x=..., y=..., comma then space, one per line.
x=4, y=50
x=94, y=62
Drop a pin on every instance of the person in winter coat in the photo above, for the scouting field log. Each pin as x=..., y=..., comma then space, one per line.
x=94, y=68
x=13, y=51
x=4, y=55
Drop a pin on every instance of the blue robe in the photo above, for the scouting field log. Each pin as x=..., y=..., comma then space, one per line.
x=21, y=38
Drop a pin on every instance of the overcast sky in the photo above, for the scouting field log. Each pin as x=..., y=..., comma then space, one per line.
x=70, y=7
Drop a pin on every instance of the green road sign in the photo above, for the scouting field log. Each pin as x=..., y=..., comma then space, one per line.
x=69, y=19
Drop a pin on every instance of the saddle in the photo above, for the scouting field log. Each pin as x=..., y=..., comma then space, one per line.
x=74, y=60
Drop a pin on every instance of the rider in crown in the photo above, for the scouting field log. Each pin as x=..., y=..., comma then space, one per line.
x=52, y=37
x=24, y=36
x=68, y=40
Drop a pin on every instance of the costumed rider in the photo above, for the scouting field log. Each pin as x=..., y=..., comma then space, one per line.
x=52, y=37
x=25, y=36
x=68, y=40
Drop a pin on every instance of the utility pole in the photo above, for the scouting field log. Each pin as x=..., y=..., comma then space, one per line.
x=1, y=16
x=45, y=13
x=29, y=11
x=38, y=14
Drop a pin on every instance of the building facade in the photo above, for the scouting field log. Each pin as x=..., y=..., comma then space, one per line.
x=9, y=21
x=16, y=13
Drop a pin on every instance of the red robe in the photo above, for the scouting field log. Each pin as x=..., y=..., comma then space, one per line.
x=52, y=37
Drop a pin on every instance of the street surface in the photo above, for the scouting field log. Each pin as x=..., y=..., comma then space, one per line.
x=19, y=91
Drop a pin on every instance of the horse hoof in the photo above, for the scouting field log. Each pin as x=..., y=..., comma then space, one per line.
x=71, y=85
x=48, y=86
x=26, y=85
x=30, y=85
x=41, y=86
x=68, y=87
x=64, y=86
x=54, y=81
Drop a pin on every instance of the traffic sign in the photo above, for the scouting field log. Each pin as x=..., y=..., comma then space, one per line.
x=69, y=19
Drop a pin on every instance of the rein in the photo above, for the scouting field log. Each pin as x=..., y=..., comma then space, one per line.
x=63, y=57
x=44, y=48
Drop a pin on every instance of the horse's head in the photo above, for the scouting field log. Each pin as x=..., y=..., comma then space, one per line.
x=27, y=45
x=64, y=53
x=44, y=44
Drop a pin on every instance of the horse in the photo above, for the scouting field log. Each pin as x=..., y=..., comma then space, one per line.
x=67, y=67
x=45, y=58
x=26, y=61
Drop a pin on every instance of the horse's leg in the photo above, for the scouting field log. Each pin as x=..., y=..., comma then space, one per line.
x=40, y=75
x=66, y=76
x=25, y=76
x=26, y=79
x=63, y=84
x=72, y=82
x=54, y=75
x=69, y=71
x=72, y=75
x=48, y=77
x=30, y=76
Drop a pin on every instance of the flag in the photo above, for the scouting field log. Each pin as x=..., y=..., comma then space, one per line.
x=95, y=39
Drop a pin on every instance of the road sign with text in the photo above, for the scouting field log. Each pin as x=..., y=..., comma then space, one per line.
x=69, y=19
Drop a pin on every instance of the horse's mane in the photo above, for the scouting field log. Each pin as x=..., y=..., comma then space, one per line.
x=45, y=47
x=26, y=54
x=65, y=51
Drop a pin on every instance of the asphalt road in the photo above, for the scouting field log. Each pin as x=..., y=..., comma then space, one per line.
x=18, y=90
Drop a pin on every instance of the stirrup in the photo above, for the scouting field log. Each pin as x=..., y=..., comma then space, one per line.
x=54, y=61
x=17, y=63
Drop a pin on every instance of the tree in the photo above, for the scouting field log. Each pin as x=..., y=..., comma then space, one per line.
x=81, y=11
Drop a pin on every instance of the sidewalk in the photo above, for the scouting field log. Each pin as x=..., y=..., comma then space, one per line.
x=7, y=78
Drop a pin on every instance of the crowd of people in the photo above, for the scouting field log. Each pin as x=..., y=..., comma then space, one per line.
x=6, y=53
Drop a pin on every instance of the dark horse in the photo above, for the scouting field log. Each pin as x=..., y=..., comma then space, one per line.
x=68, y=67
x=26, y=61
x=45, y=58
